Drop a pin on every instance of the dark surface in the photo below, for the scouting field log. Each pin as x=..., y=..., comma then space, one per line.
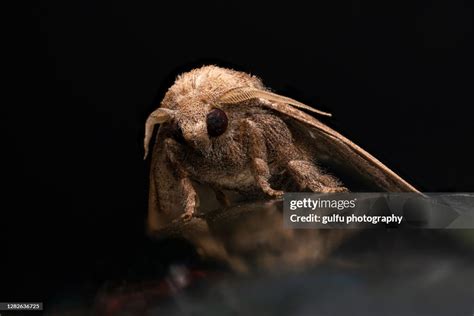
x=403, y=275
x=398, y=80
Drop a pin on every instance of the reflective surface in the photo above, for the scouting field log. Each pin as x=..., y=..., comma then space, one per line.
x=240, y=261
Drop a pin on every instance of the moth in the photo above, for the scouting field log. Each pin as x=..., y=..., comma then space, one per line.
x=225, y=129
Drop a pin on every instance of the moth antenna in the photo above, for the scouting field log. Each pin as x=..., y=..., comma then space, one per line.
x=241, y=94
x=158, y=116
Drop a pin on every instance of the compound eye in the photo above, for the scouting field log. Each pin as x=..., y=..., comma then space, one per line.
x=217, y=122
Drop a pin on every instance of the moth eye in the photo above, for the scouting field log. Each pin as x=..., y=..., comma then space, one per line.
x=216, y=122
x=177, y=132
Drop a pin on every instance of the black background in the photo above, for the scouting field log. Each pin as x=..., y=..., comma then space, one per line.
x=398, y=80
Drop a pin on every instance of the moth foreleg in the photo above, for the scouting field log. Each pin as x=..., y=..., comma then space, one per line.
x=190, y=197
x=309, y=177
x=262, y=174
x=258, y=155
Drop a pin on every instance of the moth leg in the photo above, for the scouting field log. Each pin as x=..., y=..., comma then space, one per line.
x=262, y=174
x=191, y=199
x=258, y=155
x=309, y=177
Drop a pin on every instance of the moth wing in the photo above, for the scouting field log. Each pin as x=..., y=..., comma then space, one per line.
x=333, y=149
x=165, y=195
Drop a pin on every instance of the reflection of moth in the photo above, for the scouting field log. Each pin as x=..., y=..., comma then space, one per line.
x=223, y=128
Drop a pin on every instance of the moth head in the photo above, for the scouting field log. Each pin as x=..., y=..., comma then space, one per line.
x=196, y=124
x=199, y=125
